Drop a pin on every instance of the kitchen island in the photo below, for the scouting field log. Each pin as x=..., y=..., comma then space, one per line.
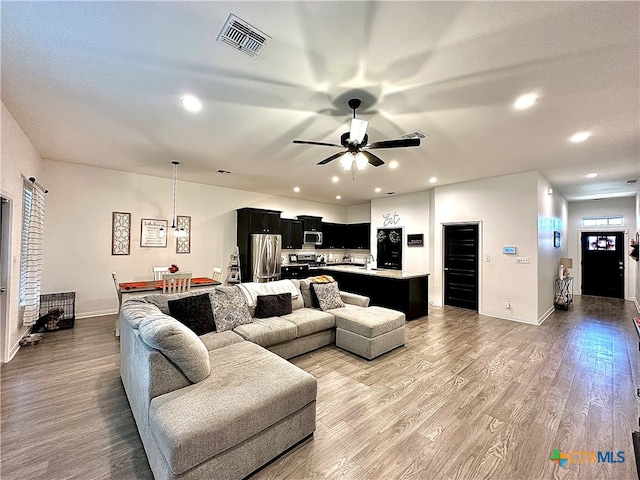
x=397, y=289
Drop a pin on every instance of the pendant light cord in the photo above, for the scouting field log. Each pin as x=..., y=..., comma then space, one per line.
x=175, y=181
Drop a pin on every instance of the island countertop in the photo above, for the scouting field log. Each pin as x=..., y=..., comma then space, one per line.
x=381, y=273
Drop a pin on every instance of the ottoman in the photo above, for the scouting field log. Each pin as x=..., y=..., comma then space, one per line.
x=369, y=331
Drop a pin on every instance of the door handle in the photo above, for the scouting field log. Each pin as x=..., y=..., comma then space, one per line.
x=3, y=290
x=446, y=269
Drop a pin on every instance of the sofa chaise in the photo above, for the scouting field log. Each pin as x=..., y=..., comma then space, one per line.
x=221, y=404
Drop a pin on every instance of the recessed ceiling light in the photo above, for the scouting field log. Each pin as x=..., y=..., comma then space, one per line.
x=580, y=137
x=525, y=101
x=191, y=103
x=378, y=190
x=433, y=180
x=296, y=189
x=591, y=175
x=393, y=164
x=335, y=179
x=338, y=197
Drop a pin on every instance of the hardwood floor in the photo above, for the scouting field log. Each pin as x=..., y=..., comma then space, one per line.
x=468, y=397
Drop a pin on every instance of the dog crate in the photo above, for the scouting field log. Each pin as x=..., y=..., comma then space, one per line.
x=57, y=310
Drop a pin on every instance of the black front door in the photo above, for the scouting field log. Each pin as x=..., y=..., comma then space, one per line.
x=603, y=264
x=461, y=266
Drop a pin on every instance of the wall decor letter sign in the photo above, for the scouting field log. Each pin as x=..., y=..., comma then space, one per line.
x=390, y=219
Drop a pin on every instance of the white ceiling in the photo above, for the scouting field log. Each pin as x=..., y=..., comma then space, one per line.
x=98, y=83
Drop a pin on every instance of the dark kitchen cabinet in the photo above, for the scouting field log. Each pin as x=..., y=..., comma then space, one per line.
x=259, y=221
x=346, y=236
x=253, y=220
x=359, y=236
x=311, y=224
x=334, y=235
x=294, y=271
x=291, y=231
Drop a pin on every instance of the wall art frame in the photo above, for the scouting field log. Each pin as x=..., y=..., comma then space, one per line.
x=151, y=232
x=183, y=245
x=120, y=233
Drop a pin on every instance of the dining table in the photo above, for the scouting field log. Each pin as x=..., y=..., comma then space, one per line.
x=153, y=285
x=145, y=287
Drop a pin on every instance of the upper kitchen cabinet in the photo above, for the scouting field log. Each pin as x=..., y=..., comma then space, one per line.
x=255, y=220
x=359, y=235
x=334, y=235
x=311, y=224
x=346, y=236
x=291, y=231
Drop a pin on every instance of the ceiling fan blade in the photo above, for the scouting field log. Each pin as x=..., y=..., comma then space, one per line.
x=330, y=159
x=373, y=160
x=396, y=143
x=308, y=142
x=358, y=130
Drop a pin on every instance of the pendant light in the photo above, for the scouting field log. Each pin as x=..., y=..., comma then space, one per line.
x=177, y=232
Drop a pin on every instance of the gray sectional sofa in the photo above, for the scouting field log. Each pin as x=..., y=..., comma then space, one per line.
x=222, y=404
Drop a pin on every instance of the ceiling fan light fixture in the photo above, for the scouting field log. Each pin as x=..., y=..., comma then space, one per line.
x=346, y=161
x=361, y=161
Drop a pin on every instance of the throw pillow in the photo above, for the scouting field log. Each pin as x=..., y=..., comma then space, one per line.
x=178, y=343
x=328, y=295
x=273, y=305
x=230, y=308
x=322, y=279
x=195, y=312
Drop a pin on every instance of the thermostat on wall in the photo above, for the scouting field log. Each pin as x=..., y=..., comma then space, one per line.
x=509, y=250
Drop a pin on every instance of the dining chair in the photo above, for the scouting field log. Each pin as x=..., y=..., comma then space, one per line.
x=158, y=271
x=176, y=282
x=217, y=274
x=114, y=275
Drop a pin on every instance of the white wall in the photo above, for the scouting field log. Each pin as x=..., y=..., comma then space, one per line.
x=412, y=214
x=507, y=210
x=77, y=245
x=552, y=217
x=637, y=291
x=626, y=207
x=359, y=213
x=17, y=157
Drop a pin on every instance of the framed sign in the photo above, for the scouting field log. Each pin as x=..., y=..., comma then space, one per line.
x=556, y=239
x=153, y=232
x=183, y=245
x=415, y=240
x=120, y=233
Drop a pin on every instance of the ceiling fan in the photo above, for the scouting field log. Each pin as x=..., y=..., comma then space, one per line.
x=355, y=141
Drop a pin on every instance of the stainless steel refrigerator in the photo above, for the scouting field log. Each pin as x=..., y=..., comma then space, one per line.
x=265, y=257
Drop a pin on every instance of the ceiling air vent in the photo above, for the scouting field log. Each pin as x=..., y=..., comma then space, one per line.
x=242, y=36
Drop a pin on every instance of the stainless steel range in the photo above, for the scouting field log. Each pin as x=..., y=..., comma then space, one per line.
x=311, y=259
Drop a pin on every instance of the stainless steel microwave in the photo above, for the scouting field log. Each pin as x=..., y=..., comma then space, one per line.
x=312, y=238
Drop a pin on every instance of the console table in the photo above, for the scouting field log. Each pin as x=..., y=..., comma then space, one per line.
x=563, y=293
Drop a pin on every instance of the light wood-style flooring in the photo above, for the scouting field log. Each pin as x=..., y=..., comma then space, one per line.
x=468, y=397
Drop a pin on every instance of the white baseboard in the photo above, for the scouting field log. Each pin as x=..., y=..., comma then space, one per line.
x=98, y=313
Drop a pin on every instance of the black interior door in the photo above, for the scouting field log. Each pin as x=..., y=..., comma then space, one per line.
x=603, y=264
x=461, y=266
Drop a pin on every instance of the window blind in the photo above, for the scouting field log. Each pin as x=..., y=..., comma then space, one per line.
x=33, y=205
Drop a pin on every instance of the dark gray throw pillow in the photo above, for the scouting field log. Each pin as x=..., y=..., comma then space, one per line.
x=273, y=305
x=195, y=312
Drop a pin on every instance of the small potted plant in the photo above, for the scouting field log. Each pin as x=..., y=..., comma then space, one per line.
x=173, y=268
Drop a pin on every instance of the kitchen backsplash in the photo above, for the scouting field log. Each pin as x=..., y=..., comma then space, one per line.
x=330, y=255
